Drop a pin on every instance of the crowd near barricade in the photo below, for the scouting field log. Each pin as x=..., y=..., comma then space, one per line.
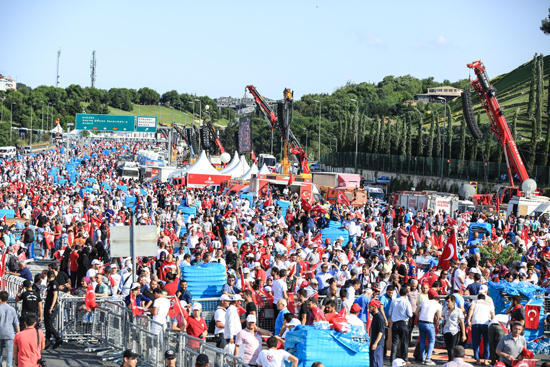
x=11, y=284
x=110, y=328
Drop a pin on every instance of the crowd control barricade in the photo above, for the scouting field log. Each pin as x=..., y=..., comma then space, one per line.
x=73, y=321
x=11, y=284
x=209, y=306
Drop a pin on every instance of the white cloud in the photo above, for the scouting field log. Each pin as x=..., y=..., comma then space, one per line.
x=370, y=39
x=441, y=40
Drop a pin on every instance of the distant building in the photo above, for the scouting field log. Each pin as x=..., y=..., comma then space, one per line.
x=7, y=83
x=243, y=106
x=436, y=93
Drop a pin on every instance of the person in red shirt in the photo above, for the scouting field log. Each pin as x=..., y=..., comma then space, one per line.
x=28, y=344
x=330, y=311
x=196, y=325
x=172, y=284
x=73, y=263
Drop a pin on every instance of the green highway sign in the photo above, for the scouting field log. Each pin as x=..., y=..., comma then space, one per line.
x=146, y=124
x=94, y=122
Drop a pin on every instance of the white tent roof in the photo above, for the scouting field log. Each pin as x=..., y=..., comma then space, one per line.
x=240, y=169
x=251, y=171
x=234, y=162
x=57, y=129
x=203, y=166
x=177, y=173
x=264, y=170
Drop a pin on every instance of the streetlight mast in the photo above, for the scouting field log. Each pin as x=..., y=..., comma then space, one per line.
x=356, y=130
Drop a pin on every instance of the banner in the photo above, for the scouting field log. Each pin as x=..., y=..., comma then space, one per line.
x=245, y=130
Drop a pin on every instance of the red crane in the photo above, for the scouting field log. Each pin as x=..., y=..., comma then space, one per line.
x=499, y=126
x=283, y=128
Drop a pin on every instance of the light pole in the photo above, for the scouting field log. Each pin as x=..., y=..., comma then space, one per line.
x=319, y=141
x=42, y=132
x=356, y=130
x=2, y=109
x=11, y=119
x=443, y=134
x=48, y=116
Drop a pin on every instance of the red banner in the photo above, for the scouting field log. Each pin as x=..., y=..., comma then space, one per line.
x=200, y=180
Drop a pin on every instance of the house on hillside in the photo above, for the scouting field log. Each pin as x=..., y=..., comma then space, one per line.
x=436, y=94
x=7, y=83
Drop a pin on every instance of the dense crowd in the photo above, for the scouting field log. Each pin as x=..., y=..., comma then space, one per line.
x=386, y=279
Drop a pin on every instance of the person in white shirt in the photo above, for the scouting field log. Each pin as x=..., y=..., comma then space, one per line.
x=479, y=315
x=161, y=306
x=354, y=320
x=280, y=287
x=219, y=319
x=232, y=320
x=428, y=313
x=273, y=357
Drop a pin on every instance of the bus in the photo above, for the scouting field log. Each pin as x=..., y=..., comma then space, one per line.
x=128, y=171
x=8, y=152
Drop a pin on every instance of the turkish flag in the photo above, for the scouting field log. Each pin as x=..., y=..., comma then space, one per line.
x=342, y=198
x=532, y=316
x=449, y=252
x=90, y=300
x=318, y=240
x=290, y=179
x=306, y=205
x=177, y=309
x=386, y=244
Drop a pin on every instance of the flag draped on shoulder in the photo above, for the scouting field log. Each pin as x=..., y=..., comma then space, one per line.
x=449, y=252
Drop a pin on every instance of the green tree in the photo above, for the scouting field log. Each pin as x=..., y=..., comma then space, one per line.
x=449, y=131
x=420, y=138
x=377, y=139
x=431, y=138
x=372, y=134
x=382, y=139
x=533, y=145
x=515, y=124
x=171, y=98
x=398, y=134
x=409, y=138
x=462, y=152
x=545, y=24
x=389, y=137
x=404, y=137
x=148, y=96
x=540, y=95
x=438, y=144
x=532, y=86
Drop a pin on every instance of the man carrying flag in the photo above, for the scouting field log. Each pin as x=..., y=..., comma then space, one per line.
x=449, y=252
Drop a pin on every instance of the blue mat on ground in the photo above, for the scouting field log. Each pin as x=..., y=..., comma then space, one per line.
x=333, y=231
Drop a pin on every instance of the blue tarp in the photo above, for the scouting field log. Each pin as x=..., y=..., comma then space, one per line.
x=530, y=295
x=333, y=231
x=130, y=202
x=248, y=197
x=205, y=280
x=333, y=348
x=106, y=186
x=62, y=150
x=106, y=152
x=284, y=206
x=9, y=213
x=482, y=228
x=122, y=187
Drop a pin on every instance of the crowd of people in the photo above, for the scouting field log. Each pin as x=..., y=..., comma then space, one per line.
x=384, y=280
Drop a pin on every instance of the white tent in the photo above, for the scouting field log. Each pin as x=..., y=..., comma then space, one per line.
x=234, y=162
x=264, y=170
x=240, y=169
x=251, y=171
x=202, y=166
x=57, y=129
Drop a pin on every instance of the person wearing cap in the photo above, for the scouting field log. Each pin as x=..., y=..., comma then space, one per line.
x=273, y=357
x=232, y=320
x=196, y=325
x=377, y=334
x=353, y=318
x=250, y=340
x=170, y=359
x=130, y=358
x=428, y=313
x=202, y=361
x=458, y=358
x=140, y=300
x=219, y=320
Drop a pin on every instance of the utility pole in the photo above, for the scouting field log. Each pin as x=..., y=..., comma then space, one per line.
x=31, y=127
x=93, y=69
x=57, y=75
x=319, y=142
x=356, y=130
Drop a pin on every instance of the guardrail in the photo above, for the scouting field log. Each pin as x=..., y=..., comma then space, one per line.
x=110, y=328
x=11, y=284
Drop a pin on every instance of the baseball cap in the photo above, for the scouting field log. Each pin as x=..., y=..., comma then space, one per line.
x=432, y=294
x=237, y=297
x=197, y=306
x=294, y=322
x=375, y=303
x=355, y=308
x=136, y=285
x=398, y=362
x=483, y=289
x=169, y=354
x=225, y=297
x=251, y=318
x=129, y=353
x=96, y=262
x=256, y=264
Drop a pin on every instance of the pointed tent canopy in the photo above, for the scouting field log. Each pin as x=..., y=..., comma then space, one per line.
x=57, y=129
x=240, y=169
x=252, y=171
x=234, y=162
x=264, y=170
x=203, y=166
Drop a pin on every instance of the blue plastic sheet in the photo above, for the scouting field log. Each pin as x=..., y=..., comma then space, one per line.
x=283, y=204
x=8, y=213
x=482, y=228
x=333, y=231
x=334, y=349
x=130, y=202
x=205, y=280
x=122, y=187
x=248, y=197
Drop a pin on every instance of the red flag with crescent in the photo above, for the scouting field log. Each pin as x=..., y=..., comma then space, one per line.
x=532, y=316
x=449, y=252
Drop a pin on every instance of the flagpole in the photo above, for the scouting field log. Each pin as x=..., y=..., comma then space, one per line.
x=132, y=243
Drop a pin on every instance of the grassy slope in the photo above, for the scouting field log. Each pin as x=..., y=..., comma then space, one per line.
x=164, y=115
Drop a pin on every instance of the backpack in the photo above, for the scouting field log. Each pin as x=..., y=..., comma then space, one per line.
x=29, y=236
x=212, y=324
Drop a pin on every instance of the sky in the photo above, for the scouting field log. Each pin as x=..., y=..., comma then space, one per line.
x=216, y=48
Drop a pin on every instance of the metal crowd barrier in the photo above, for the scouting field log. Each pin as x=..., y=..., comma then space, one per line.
x=110, y=328
x=11, y=284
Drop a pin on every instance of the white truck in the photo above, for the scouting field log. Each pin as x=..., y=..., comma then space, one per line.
x=426, y=200
x=336, y=179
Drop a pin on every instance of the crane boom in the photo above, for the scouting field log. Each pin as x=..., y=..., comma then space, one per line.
x=499, y=126
x=285, y=131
